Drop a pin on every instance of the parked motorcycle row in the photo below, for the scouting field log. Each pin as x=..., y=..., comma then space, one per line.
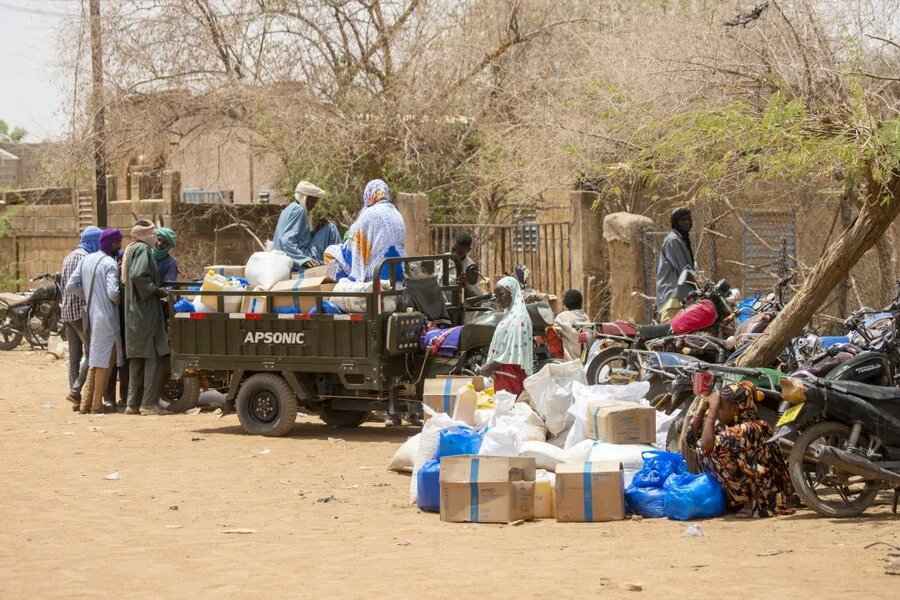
x=834, y=402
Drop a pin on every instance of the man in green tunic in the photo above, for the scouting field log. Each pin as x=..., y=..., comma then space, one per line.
x=146, y=339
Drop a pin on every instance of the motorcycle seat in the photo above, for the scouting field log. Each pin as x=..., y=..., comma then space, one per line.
x=13, y=300
x=652, y=332
x=871, y=392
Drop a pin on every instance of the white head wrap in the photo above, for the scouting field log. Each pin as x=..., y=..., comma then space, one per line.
x=305, y=188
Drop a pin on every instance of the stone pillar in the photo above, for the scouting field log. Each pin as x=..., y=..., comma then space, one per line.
x=112, y=189
x=624, y=234
x=588, y=253
x=415, y=212
x=171, y=187
x=137, y=178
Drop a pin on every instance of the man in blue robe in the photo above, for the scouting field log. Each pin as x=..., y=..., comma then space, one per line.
x=301, y=236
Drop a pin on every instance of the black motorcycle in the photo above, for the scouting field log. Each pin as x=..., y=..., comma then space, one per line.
x=33, y=315
x=848, y=443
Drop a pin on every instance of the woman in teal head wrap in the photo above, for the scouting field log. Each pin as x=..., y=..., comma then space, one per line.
x=165, y=262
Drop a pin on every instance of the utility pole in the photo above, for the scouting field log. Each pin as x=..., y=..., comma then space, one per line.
x=97, y=106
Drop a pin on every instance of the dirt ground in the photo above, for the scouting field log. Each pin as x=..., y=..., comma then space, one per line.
x=328, y=521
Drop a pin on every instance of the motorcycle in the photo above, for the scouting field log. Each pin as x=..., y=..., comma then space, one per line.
x=708, y=308
x=847, y=447
x=34, y=315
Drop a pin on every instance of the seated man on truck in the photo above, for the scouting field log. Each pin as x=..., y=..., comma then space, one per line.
x=299, y=234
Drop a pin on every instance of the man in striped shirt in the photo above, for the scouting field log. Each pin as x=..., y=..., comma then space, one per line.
x=73, y=314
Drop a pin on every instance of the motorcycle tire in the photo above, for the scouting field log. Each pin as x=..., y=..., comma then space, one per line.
x=9, y=337
x=798, y=469
x=605, y=358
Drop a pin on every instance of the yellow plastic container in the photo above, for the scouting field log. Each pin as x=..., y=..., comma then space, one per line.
x=545, y=496
x=212, y=282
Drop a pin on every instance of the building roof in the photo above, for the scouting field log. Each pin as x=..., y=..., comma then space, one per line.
x=7, y=155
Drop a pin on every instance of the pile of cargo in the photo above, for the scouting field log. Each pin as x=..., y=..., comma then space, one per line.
x=258, y=281
x=562, y=450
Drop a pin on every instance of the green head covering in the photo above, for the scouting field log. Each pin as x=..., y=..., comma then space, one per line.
x=170, y=237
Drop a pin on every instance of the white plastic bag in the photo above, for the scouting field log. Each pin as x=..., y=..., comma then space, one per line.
x=358, y=305
x=501, y=440
x=265, y=269
x=405, y=457
x=663, y=424
x=585, y=394
x=629, y=455
x=200, y=307
x=580, y=452
x=551, y=392
x=546, y=456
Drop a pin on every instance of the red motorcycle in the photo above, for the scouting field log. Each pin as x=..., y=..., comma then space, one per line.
x=697, y=330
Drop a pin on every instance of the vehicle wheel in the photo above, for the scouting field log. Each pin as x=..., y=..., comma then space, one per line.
x=179, y=395
x=343, y=418
x=266, y=405
x=829, y=492
x=9, y=337
x=600, y=369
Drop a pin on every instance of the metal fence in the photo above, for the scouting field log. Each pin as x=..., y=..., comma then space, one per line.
x=543, y=247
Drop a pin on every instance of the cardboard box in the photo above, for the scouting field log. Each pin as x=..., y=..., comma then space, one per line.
x=320, y=271
x=307, y=284
x=621, y=422
x=487, y=489
x=255, y=304
x=589, y=492
x=226, y=270
x=440, y=392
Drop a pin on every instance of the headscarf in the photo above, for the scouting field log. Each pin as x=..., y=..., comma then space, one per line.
x=376, y=191
x=677, y=215
x=379, y=232
x=170, y=237
x=107, y=239
x=512, y=343
x=90, y=239
x=144, y=233
x=744, y=396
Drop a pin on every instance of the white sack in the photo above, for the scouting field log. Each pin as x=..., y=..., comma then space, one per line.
x=585, y=394
x=663, y=424
x=629, y=455
x=545, y=455
x=551, y=392
x=265, y=269
x=405, y=457
x=501, y=440
x=580, y=452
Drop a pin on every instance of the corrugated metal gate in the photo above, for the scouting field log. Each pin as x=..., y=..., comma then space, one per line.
x=497, y=249
x=770, y=245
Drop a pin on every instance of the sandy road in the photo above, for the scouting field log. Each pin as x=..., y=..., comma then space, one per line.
x=330, y=522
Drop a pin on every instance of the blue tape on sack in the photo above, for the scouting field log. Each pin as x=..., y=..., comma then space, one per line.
x=588, y=493
x=448, y=385
x=473, y=491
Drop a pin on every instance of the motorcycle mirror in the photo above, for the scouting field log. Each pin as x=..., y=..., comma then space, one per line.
x=683, y=277
x=771, y=296
x=733, y=296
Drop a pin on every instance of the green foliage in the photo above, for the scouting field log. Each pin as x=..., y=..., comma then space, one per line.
x=16, y=135
x=716, y=151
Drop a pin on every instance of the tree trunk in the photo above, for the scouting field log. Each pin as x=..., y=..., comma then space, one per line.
x=873, y=220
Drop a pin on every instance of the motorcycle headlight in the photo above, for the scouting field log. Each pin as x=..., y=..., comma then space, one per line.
x=793, y=390
x=733, y=296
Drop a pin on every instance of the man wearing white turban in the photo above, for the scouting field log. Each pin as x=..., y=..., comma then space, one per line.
x=301, y=236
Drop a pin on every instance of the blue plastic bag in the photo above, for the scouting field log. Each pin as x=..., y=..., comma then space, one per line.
x=658, y=466
x=183, y=306
x=428, y=486
x=645, y=501
x=329, y=309
x=286, y=310
x=459, y=440
x=690, y=496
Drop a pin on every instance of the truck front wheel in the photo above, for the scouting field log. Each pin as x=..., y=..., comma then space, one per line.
x=266, y=405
